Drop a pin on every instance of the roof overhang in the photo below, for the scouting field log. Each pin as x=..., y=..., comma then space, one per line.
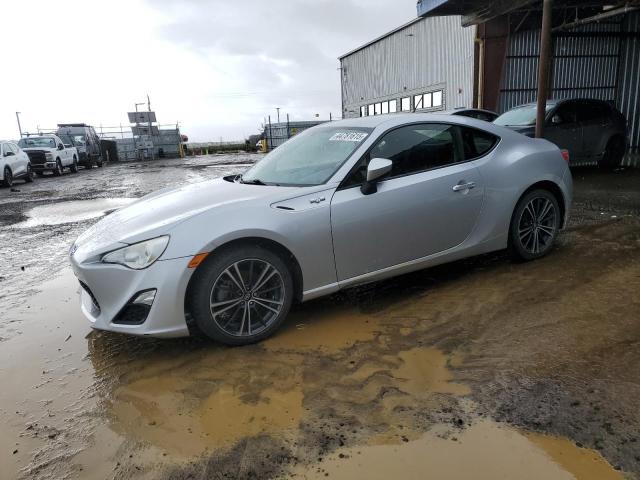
x=474, y=12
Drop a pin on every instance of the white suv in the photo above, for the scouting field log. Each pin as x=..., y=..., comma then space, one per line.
x=14, y=163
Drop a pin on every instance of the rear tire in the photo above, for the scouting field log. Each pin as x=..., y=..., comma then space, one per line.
x=240, y=295
x=8, y=177
x=613, y=154
x=534, y=225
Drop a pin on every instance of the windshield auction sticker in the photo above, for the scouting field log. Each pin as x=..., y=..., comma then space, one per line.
x=348, y=137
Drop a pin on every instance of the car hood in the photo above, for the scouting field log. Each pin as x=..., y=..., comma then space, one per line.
x=157, y=213
x=39, y=149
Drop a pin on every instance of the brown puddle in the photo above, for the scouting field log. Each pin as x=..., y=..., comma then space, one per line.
x=328, y=329
x=484, y=451
x=333, y=381
x=211, y=401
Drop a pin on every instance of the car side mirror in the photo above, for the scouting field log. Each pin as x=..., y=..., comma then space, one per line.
x=556, y=120
x=60, y=147
x=377, y=168
x=8, y=154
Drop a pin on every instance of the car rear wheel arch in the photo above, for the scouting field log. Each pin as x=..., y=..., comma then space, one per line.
x=552, y=188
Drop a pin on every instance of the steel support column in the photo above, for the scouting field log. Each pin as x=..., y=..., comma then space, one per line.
x=544, y=66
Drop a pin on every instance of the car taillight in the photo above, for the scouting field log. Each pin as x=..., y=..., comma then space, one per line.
x=565, y=155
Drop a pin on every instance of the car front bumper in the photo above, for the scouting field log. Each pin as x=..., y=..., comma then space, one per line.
x=48, y=165
x=107, y=289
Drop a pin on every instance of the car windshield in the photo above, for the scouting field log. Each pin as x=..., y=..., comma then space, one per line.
x=35, y=142
x=519, y=116
x=310, y=158
x=75, y=140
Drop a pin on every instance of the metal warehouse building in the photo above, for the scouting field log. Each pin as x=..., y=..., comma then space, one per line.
x=424, y=65
x=465, y=53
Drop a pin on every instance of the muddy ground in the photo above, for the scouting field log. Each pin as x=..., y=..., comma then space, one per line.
x=479, y=369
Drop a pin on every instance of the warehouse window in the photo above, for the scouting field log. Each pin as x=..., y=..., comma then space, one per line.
x=363, y=111
x=428, y=100
x=393, y=106
x=417, y=102
x=405, y=104
x=371, y=110
x=378, y=108
x=437, y=98
x=385, y=108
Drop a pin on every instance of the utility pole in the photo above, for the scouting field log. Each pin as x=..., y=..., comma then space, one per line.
x=544, y=66
x=278, y=110
x=19, y=127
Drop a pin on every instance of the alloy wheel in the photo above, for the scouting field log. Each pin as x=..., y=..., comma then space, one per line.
x=537, y=226
x=8, y=177
x=247, y=297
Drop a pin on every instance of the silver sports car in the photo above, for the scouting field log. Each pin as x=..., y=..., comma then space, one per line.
x=340, y=204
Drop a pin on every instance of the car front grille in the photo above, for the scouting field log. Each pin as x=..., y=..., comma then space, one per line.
x=37, y=158
x=94, y=300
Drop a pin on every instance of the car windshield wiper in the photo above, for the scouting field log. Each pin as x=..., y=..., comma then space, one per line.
x=253, y=181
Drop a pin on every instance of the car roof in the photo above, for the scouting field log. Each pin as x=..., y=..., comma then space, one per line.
x=457, y=111
x=398, y=119
x=558, y=101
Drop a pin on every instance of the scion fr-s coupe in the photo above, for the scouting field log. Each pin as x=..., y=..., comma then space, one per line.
x=341, y=204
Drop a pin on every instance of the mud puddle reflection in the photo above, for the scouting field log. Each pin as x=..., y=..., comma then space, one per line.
x=484, y=451
x=72, y=211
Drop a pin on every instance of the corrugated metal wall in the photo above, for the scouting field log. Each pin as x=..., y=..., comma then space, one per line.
x=429, y=54
x=585, y=66
x=628, y=100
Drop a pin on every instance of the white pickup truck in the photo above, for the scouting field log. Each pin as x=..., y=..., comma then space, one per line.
x=48, y=153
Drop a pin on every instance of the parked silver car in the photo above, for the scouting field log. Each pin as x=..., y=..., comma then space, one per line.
x=341, y=204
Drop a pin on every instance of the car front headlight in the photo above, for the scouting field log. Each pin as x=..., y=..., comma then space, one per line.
x=48, y=156
x=139, y=255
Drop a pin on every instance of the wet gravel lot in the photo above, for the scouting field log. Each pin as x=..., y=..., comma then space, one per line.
x=469, y=370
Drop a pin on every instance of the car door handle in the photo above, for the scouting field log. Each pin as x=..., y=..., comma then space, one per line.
x=460, y=187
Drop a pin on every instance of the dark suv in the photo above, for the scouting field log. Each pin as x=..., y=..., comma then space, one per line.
x=591, y=130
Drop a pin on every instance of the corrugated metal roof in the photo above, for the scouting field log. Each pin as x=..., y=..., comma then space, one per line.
x=381, y=37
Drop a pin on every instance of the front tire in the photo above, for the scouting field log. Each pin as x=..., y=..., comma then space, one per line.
x=74, y=165
x=535, y=225
x=58, y=170
x=8, y=177
x=241, y=295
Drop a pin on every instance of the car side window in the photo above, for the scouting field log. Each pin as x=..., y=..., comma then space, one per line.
x=476, y=143
x=567, y=113
x=413, y=149
x=7, y=150
x=589, y=111
x=15, y=148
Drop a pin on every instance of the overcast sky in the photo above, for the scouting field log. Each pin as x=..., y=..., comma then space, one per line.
x=216, y=66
